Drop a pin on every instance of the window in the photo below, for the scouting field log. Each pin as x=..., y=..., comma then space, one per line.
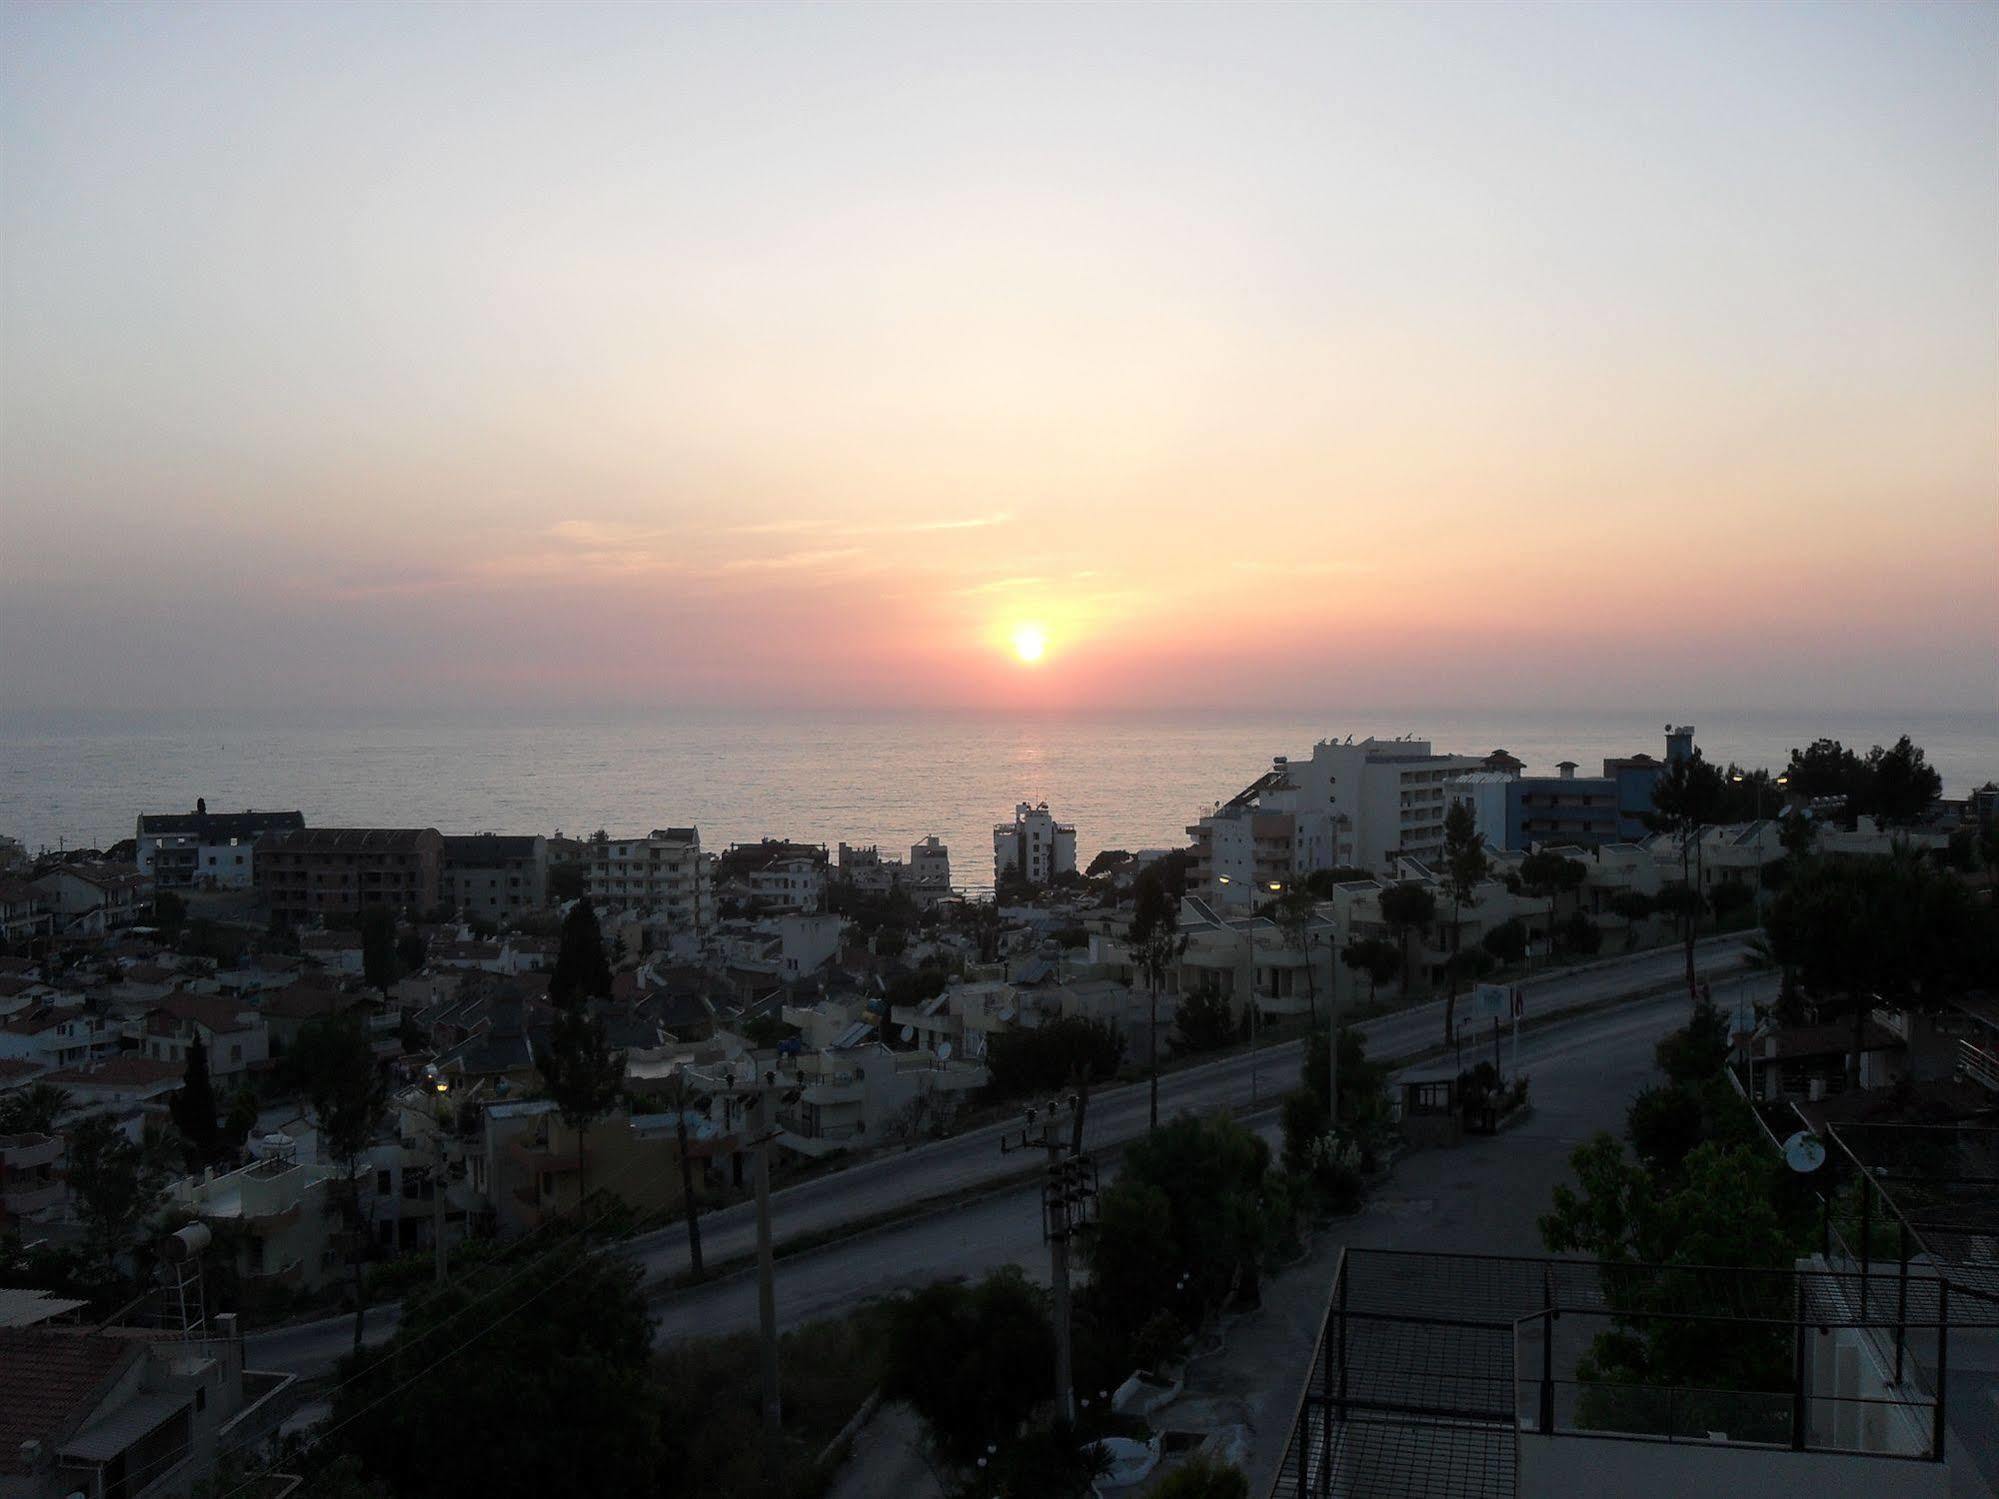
x=235, y=1053
x=383, y=1183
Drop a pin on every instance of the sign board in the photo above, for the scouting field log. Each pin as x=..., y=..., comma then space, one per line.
x=1493, y=999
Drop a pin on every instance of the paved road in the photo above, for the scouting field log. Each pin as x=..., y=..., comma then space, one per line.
x=884, y=1184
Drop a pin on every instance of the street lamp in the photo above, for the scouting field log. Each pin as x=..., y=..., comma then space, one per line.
x=437, y=1087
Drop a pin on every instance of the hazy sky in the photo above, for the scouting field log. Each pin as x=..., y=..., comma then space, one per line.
x=1469, y=354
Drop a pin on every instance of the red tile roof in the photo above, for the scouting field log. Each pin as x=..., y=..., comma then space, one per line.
x=303, y=1001
x=215, y=1011
x=123, y=1071
x=49, y=1379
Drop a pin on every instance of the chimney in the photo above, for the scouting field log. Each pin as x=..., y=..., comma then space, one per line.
x=1567, y=770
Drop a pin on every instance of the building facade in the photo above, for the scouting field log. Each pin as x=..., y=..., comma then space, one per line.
x=1034, y=846
x=314, y=872
x=492, y=875
x=1387, y=796
x=663, y=874
x=206, y=850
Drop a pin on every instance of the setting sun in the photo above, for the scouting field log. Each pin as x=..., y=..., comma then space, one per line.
x=1029, y=642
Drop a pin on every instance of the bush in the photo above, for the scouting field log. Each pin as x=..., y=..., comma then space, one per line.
x=1578, y=934
x=1203, y=1022
x=1203, y=1477
x=1507, y=942
x=1333, y=1169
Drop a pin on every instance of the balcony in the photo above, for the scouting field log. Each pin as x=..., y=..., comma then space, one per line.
x=25, y=1152
x=541, y=1156
x=30, y=1197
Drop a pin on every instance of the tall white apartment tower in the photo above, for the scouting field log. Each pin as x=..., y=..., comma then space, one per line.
x=1034, y=844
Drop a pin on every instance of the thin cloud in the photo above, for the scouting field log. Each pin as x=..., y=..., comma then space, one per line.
x=999, y=585
x=900, y=528
x=790, y=561
x=1304, y=569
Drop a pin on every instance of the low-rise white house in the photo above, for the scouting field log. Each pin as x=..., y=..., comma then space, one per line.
x=88, y=900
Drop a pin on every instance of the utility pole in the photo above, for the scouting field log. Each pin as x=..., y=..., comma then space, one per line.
x=767, y=1304
x=1068, y=1203
x=759, y=1088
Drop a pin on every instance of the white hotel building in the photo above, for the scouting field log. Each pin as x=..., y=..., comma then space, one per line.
x=1033, y=844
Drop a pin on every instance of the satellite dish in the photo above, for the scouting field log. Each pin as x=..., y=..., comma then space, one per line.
x=943, y=1051
x=1804, y=1152
x=909, y=1033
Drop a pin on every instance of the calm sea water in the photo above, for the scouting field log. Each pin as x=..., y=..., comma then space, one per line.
x=1126, y=781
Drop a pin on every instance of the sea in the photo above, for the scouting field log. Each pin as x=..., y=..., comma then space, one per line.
x=1131, y=781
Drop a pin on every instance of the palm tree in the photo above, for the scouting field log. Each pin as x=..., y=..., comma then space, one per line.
x=1152, y=954
x=1465, y=866
x=1292, y=911
x=1685, y=800
x=34, y=1111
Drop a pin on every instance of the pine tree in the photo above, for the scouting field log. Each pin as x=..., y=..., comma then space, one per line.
x=581, y=971
x=193, y=1109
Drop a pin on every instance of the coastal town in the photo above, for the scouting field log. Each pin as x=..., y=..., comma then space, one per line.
x=255, y=1071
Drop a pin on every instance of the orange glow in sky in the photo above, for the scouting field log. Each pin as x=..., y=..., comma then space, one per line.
x=1424, y=354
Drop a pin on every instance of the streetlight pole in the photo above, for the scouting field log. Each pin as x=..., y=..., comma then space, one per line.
x=440, y=1086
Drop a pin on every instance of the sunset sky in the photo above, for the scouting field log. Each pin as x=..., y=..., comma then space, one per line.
x=1477, y=354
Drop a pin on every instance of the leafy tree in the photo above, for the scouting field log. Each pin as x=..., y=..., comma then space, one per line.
x=1667, y=1122
x=1184, y=1228
x=565, y=1338
x=1827, y=768
x=349, y=1095
x=1203, y=1021
x=1685, y=800
x=378, y=948
x=1376, y=957
x=1631, y=907
x=1895, y=931
x=117, y=1186
x=1321, y=883
x=33, y=1110
x=1724, y=1207
x=1902, y=785
x=1547, y=875
x=1047, y=1057
x=584, y=1076
x=1106, y=860
x=972, y=1361
x=1407, y=909
x=1465, y=868
x=193, y=1109
x=1507, y=942
x=581, y=971
x=1698, y=1050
